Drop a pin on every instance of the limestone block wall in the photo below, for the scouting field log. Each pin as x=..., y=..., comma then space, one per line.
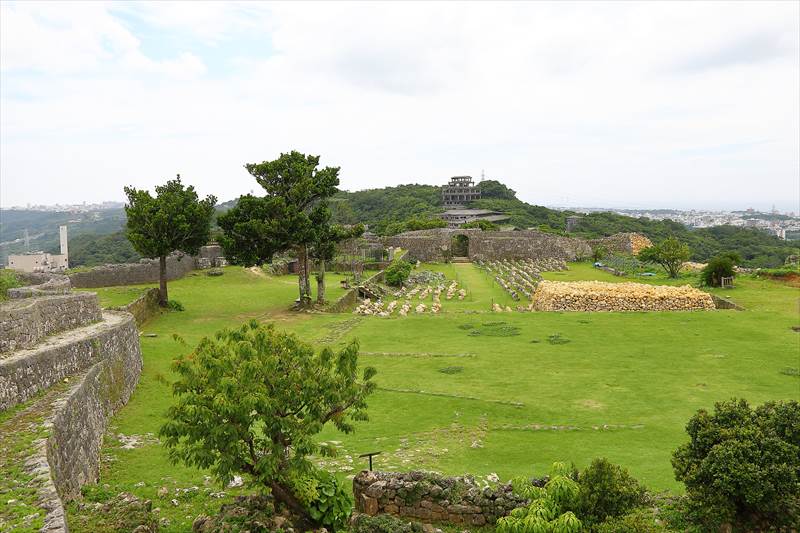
x=81, y=417
x=145, y=271
x=23, y=373
x=42, y=285
x=432, y=497
x=143, y=307
x=433, y=245
x=623, y=243
x=24, y=322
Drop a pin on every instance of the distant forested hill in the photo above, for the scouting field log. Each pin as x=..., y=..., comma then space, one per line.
x=96, y=237
x=43, y=226
x=381, y=207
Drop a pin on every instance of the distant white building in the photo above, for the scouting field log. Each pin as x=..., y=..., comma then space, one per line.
x=41, y=261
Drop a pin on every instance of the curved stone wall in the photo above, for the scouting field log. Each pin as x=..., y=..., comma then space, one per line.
x=26, y=372
x=81, y=417
x=24, y=322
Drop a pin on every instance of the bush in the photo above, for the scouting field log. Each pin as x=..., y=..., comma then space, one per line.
x=607, y=491
x=397, y=272
x=742, y=466
x=717, y=268
x=175, y=305
x=332, y=505
x=8, y=280
x=641, y=521
x=550, y=507
x=483, y=225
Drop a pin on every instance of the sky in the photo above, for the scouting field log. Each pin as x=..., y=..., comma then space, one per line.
x=624, y=104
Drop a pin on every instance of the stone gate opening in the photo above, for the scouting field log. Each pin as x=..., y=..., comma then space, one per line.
x=459, y=245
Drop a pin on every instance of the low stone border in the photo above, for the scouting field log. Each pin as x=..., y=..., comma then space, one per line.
x=722, y=303
x=433, y=497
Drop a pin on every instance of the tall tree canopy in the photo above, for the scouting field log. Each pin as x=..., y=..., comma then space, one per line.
x=670, y=254
x=174, y=220
x=293, y=214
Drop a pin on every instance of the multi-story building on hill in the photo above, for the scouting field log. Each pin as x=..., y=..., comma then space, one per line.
x=460, y=191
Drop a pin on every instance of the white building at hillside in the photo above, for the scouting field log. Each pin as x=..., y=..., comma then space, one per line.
x=41, y=261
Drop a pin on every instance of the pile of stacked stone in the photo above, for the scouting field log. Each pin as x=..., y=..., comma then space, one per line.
x=520, y=277
x=434, y=291
x=601, y=296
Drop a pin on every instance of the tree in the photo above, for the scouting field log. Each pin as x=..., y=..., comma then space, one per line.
x=326, y=238
x=669, y=253
x=483, y=225
x=397, y=272
x=722, y=266
x=742, y=466
x=174, y=220
x=251, y=401
x=598, y=252
x=607, y=491
x=296, y=196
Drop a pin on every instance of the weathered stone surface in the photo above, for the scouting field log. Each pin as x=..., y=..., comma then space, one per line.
x=623, y=243
x=436, y=244
x=23, y=373
x=431, y=496
x=24, y=322
x=144, y=307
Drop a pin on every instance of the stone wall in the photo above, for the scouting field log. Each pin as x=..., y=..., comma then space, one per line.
x=623, y=243
x=147, y=270
x=431, y=497
x=349, y=299
x=23, y=323
x=42, y=285
x=435, y=245
x=23, y=373
x=81, y=418
x=144, y=307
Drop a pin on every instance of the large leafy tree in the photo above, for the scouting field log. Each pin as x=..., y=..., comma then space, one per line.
x=741, y=466
x=175, y=219
x=252, y=400
x=296, y=197
x=670, y=254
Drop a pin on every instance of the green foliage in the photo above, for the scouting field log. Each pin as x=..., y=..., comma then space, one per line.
x=598, y=252
x=414, y=223
x=381, y=207
x=495, y=189
x=640, y=521
x=717, y=268
x=174, y=220
x=670, y=254
x=175, y=305
x=8, y=280
x=252, y=400
x=550, y=508
x=294, y=214
x=92, y=250
x=332, y=505
x=742, y=465
x=483, y=225
x=607, y=490
x=397, y=272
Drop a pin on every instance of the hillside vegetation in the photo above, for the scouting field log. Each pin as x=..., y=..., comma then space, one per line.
x=380, y=208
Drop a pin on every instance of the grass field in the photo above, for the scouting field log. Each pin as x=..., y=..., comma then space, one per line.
x=481, y=392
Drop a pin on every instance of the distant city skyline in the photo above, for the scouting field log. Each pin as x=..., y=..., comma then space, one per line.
x=572, y=104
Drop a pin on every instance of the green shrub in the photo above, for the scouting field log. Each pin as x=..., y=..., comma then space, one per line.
x=332, y=505
x=640, y=521
x=175, y=305
x=397, y=272
x=550, y=510
x=8, y=280
x=742, y=465
x=717, y=268
x=607, y=491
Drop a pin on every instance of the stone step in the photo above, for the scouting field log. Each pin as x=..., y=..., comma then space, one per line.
x=23, y=373
x=461, y=260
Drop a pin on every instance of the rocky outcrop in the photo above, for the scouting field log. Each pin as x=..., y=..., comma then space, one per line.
x=432, y=497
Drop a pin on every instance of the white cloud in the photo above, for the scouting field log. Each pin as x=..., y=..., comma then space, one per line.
x=594, y=104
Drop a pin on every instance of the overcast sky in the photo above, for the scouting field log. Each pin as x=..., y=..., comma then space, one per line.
x=671, y=104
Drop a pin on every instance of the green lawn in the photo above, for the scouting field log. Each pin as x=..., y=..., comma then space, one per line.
x=492, y=398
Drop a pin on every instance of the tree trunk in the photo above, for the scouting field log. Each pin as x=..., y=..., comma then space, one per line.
x=302, y=279
x=162, y=281
x=321, y=283
x=282, y=494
